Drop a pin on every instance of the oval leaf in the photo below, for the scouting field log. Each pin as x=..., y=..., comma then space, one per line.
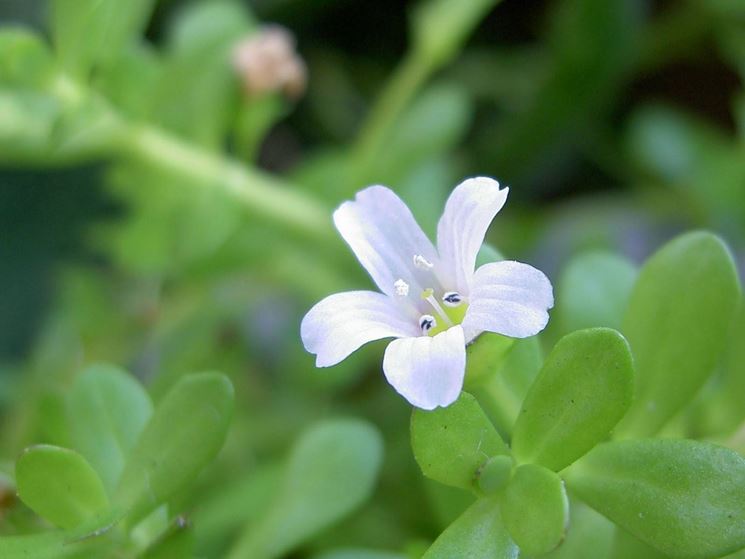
x=184, y=434
x=685, y=498
x=478, y=533
x=535, y=509
x=594, y=291
x=450, y=444
x=677, y=323
x=108, y=409
x=332, y=470
x=583, y=390
x=60, y=486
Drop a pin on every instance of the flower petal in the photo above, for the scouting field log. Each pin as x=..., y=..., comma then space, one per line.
x=385, y=237
x=427, y=371
x=341, y=323
x=460, y=232
x=509, y=298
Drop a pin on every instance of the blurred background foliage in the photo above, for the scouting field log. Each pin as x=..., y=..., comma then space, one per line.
x=155, y=214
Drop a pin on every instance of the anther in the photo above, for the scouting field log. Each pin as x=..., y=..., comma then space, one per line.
x=422, y=263
x=452, y=299
x=427, y=322
x=401, y=287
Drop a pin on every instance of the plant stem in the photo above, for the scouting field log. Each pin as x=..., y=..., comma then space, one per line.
x=258, y=191
x=408, y=77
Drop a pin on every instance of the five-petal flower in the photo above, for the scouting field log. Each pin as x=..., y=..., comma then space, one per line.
x=433, y=301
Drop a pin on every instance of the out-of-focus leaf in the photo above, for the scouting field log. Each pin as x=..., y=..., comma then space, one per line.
x=24, y=58
x=685, y=498
x=48, y=545
x=718, y=410
x=439, y=27
x=197, y=88
x=431, y=126
x=107, y=411
x=450, y=444
x=360, y=554
x=60, y=486
x=134, y=97
x=535, y=509
x=584, y=389
x=177, y=541
x=479, y=533
x=593, y=42
x=691, y=155
x=89, y=32
x=332, y=470
x=184, y=434
x=677, y=323
x=594, y=290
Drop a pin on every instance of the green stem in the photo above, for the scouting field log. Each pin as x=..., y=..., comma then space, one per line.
x=259, y=191
x=408, y=77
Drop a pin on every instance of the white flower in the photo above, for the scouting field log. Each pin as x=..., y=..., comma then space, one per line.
x=433, y=300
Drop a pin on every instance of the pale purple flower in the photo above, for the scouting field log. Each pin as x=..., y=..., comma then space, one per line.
x=433, y=300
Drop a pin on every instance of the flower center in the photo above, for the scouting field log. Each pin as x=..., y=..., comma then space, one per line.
x=440, y=309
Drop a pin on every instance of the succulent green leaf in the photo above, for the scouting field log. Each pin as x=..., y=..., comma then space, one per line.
x=583, y=390
x=360, y=554
x=450, y=444
x=535, y=509
x=478, y=533
x=685, y=498
x=332, y=469
x=679, y=315
x=60, y=486
x=88, y=32
x=108, y=409
x=594, y=291
x=184, y=434
x=625, y=545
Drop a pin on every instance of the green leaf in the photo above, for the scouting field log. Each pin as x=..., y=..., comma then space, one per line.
x=625, y=545
x=594, y=290
x=177, y=541
x=495, y=474
x=502, y=394
x=24, y=58
x=450, y=444
x=477, y=534
x=583, y=390
x=60, y=486
x=184, y=434
x=535, y=509
x=485, y=356
x=47, y=545
x=88, y=32
x=590, y=535
x=677, y=323
x=331, y=471
x=360, y=554
x=685, y=498
x=107, y=411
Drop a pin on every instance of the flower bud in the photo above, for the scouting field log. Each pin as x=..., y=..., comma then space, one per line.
x=267, y=62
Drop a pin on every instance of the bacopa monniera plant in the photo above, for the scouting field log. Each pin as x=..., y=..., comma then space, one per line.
x=218, y=342
x=585, y=432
